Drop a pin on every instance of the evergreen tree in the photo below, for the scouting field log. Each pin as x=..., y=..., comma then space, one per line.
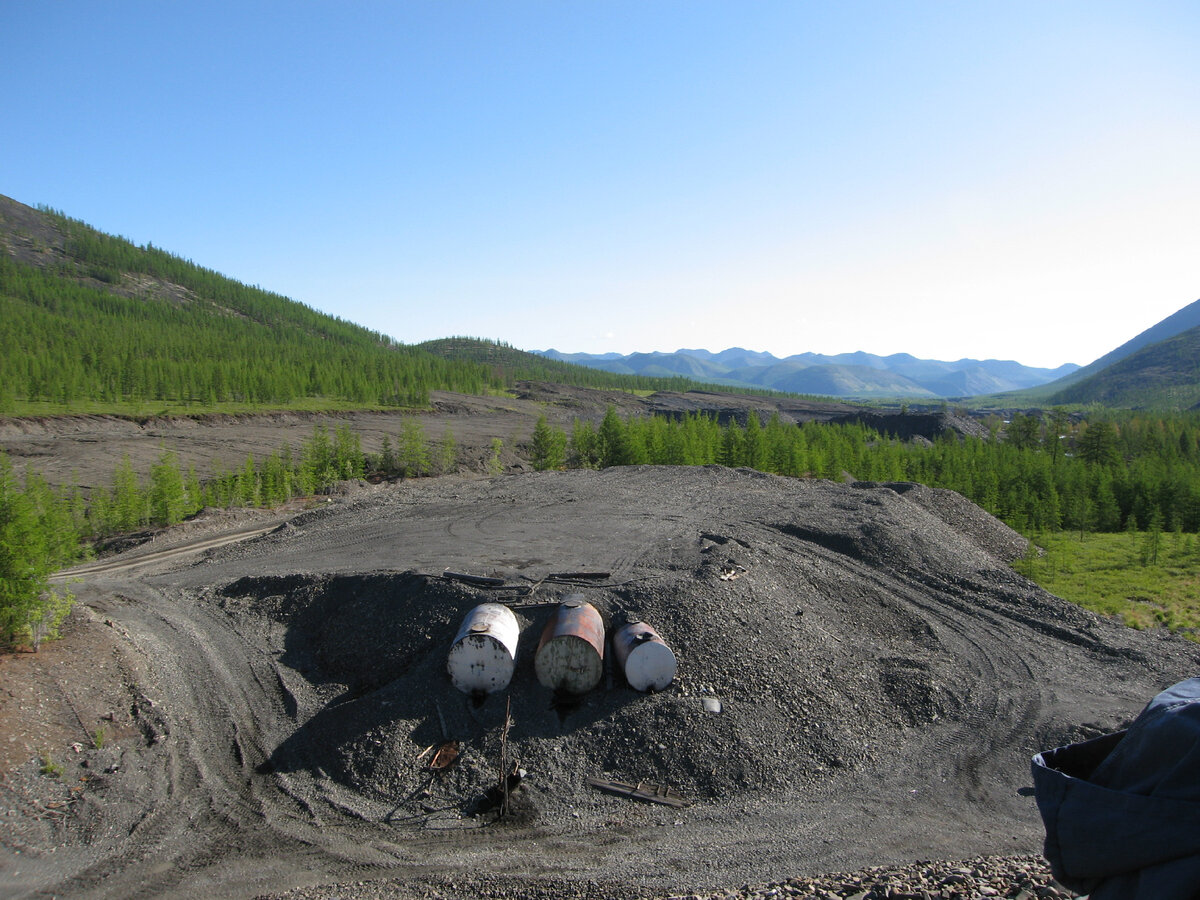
x=317, y=461
x=446, y=453
x=273, y=480
x=549, y=446
x=168, y=499
x=495, y=465
x=1059, y=424
x=388, y=465
x=1098, y=443
x=732, y=446
x=612, y=440
x=348, y=459
x=247, y=483
x=753, y=449
x=412, y=454
x=194, y=500
x=1023, y=432
x=585, y=446
x=128, y=499
x=30, y=609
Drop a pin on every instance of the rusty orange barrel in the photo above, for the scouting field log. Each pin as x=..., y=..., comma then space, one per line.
x=484, y=651
x=570, y=656
x=644, y=657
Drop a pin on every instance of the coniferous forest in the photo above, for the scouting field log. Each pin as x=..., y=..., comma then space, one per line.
x=1110, y=473
x=213, y=341
x=102, y=324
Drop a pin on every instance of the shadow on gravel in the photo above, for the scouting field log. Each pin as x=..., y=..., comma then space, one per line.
x=374, y=692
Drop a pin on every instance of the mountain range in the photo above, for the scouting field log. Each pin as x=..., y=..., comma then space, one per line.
x=91, y=322
x=853, y=375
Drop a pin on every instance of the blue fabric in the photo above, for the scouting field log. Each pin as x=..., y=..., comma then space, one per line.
x=1122, y=811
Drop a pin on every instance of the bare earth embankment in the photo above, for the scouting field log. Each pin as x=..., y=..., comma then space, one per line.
x=265, y=707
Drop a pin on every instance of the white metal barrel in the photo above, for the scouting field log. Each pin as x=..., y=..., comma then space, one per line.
x=645, y=658
x=484, y=652
x=570, y=656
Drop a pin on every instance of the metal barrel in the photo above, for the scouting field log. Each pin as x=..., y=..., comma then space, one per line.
x=570, y=655
x=484, y=651
x=644, y=657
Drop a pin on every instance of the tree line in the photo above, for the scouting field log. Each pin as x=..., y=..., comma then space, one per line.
x=44, y=528
x=37, y=537
x=1036, y=473
x=1110, y=473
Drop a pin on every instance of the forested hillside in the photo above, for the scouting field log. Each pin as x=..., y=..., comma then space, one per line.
x=87, y=318
x=1157, y=369
x=1163, y=375
x=92, y=322
x=1174, y=324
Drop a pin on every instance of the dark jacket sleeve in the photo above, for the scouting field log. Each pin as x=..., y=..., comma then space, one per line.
x=1122, y=812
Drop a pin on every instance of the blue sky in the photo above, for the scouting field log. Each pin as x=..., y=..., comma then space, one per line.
x=992, y=180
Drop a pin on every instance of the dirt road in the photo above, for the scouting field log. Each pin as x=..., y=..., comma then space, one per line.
x=883, y=678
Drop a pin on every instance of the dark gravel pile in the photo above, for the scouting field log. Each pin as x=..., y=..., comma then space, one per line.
x=803, y=620
x=862, y=682
x=1008, y=877
x=855, y=639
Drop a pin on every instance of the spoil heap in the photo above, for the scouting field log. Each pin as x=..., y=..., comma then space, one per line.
x=838, y=628
x=862, y=680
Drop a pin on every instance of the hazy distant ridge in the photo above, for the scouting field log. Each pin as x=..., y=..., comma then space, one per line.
x=857, y=374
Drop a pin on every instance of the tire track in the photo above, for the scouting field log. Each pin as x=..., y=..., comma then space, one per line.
x=126, y=563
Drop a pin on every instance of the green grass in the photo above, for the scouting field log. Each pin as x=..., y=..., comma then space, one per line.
x=1112, y=574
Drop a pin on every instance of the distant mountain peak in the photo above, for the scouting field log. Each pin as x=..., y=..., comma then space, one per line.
x=859, y=374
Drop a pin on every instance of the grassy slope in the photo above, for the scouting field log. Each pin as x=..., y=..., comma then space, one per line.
x=1112, y=574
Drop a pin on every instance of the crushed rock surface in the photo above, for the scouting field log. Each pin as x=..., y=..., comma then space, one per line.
x=1011, y=877
x=882, y=675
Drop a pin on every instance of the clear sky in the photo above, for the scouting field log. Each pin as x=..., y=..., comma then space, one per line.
x=1014, y=180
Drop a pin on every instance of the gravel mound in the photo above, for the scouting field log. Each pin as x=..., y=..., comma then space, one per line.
x=816, y=666
x=839, y=629
x=862, y=682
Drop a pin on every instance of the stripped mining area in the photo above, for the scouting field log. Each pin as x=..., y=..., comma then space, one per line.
x=861, y=681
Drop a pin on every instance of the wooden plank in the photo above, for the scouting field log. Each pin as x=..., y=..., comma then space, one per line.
x=643, y=790
x=481, y=580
